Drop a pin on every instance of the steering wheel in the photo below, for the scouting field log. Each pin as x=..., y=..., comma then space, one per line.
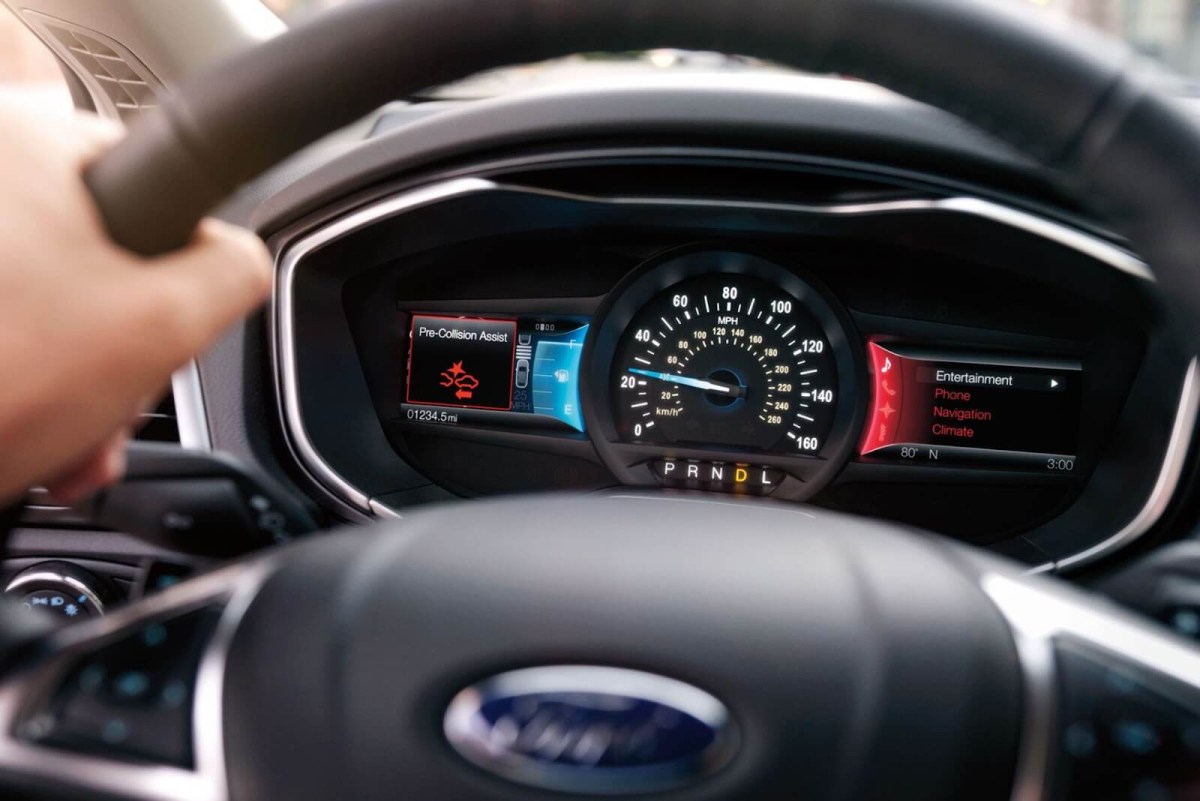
x=700, y=649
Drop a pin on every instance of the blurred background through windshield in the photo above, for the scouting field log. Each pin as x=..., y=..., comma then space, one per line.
x=1165, y=32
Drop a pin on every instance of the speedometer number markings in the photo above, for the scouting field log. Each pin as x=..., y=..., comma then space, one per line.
x=726, y=360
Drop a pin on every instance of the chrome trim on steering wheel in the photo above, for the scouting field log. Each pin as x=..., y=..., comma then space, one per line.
x=1035, y=653
x=1037, y=613
x=234, y=587
x=1043, y=611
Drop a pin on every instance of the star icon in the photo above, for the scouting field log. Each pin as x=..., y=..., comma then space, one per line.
x=456, y=369
x=887, y=410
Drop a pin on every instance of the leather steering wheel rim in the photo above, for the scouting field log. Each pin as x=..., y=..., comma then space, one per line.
x=1056, y=92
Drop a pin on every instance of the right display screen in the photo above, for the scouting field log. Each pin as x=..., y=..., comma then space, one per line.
x=933, y=408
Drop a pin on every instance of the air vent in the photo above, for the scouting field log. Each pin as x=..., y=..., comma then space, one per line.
x=120, y=84
x=161, y=424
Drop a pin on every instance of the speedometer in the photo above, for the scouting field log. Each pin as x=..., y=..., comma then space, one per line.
x=726, y=360
x=722, y=370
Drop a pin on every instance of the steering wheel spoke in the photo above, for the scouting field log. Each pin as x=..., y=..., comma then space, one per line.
x=129, y=706
x=792, y=627
x=1112, y=703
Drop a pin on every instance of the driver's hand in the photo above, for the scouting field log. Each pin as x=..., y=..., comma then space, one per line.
x=92, y=333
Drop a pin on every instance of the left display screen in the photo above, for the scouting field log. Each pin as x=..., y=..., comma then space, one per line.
x=512, y=372
x=462, y=361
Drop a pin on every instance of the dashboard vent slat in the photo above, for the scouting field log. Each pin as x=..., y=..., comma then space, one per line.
x=119, y=83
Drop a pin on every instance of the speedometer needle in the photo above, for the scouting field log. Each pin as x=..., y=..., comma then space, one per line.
x=732, y=390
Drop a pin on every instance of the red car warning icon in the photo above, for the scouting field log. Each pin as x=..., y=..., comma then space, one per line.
x=463, y=383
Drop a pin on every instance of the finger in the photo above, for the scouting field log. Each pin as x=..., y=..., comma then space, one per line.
x=103, y=467
x=223, y=275
x=81, y=139
x=93, y=136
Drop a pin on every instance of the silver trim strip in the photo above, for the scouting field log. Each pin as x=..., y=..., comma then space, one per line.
x=54, y=577
x=382, y=510
x=1037, y=613
x=283, y=323
x=208, y=716
x=234, y=586
x=191, y=416
x=1070, y=238
x=293, y=254
x=1166, y=484
x=1043, y=610
x=1035, y=654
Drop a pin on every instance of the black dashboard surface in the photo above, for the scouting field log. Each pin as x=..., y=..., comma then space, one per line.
x=742, y=166
x=905, y=271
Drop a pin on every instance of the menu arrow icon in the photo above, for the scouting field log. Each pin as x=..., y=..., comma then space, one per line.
x=1053, y=383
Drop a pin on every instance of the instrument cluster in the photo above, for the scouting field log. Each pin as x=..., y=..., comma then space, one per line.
x=951, y=364
x=731, y=370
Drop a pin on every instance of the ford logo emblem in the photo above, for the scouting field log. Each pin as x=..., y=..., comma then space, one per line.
x=586, y=729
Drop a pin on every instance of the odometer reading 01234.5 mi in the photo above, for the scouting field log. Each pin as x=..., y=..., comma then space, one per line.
x=725, y=360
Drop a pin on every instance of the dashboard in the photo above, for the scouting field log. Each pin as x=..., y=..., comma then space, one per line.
x=773, y=290
x=767, y=289
x=704, y=320
x=724, y=370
